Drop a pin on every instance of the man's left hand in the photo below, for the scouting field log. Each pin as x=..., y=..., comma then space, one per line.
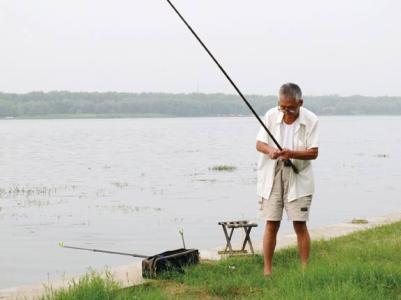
x=285, y=154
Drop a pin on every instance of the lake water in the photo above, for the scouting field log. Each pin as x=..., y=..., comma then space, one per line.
x=132, y=184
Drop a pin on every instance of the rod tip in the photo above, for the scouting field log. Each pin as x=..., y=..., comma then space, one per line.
x=61, y=244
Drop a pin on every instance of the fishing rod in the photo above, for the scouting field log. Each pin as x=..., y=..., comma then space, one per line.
x=155, y=265
x=232, y=83
x=61, y=244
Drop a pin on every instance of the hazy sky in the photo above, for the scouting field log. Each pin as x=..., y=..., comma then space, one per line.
x=328, y=47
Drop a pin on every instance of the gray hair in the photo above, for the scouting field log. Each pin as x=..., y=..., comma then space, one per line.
x=290, y=90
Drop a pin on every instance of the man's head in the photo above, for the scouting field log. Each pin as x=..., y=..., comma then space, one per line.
x=290, y=99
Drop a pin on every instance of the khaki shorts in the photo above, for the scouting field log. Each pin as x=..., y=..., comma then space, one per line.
x=272, y=209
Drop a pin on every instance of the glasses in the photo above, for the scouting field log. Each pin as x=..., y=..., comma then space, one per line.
x=287, y=110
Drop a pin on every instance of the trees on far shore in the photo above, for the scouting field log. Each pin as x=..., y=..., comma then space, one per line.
x=75, y=104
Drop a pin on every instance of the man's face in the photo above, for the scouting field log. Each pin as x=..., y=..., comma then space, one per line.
x=289, y=106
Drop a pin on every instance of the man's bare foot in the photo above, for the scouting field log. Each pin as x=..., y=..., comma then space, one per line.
x=267, y=272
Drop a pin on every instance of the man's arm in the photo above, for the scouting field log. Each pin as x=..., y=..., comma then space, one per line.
x=307, y=154
x=266, y=149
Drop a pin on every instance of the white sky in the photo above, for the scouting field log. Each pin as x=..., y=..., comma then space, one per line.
x=328, y=47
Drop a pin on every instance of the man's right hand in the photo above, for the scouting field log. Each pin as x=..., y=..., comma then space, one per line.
x=264, y=148
x=274, y=153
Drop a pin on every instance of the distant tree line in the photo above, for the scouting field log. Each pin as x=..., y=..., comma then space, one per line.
x=112, y=104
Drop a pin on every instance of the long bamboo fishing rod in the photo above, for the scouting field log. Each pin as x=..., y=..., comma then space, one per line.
x=232, y=83
x=61, y=244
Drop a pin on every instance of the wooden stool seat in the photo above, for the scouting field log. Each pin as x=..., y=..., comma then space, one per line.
x=237, y=224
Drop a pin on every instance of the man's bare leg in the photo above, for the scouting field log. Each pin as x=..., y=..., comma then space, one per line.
x=303, y=242
x=269, y=244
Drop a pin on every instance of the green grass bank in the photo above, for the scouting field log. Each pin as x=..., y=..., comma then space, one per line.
x=363, y=265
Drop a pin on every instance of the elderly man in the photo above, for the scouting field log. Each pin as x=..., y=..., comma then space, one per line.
x=278, y=186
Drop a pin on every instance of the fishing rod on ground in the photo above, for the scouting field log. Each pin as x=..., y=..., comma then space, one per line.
x=232, y=83
x=61, y=244
x=155, y=265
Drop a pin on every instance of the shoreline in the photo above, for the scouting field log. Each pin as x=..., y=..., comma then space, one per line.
x=131, y=274
x=163, y=116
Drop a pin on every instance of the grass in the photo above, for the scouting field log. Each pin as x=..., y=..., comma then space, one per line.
x=91, y=287
x=364, y=265
x=221, y=168
x=359, y=221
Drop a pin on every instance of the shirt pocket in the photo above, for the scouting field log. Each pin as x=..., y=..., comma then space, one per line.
x=300, y=140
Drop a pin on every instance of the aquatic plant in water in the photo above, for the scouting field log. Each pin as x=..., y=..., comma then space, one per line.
x=220, y=168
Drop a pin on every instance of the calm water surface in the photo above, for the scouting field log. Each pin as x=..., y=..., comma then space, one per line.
x=131, y=184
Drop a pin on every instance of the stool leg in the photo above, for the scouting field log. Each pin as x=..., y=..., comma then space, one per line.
x=248, y=239
x=228, y=238
x=245, y=240
x=248, y=234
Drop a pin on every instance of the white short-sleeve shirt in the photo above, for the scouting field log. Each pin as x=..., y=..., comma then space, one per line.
x=306, y=136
